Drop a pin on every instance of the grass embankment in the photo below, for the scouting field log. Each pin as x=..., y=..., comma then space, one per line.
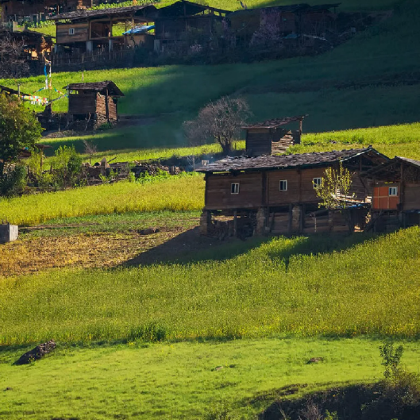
x=178, y=381
x=275, y=286
x=178, y=193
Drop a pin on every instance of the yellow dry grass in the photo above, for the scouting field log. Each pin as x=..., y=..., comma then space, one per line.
x=81, y=250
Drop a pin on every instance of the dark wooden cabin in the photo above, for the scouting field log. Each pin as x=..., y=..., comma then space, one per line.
x=36, y=11
x=396, y=194
x=93, y=101
x=34, y=44
x=294, y=22
x=278, y=192
x=185, y=23
x=271, y=136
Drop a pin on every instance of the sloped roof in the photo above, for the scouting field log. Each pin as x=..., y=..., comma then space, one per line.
x=185, y=8
x=10, y=91
x=275, y=123
x=291, y=8
x=98, y=13
x=390, y=167
x=268, y=162
x=113, y=89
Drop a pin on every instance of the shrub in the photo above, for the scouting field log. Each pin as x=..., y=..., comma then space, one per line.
x=13, y=182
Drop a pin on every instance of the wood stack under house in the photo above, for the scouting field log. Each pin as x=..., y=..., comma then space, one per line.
x=266, y=193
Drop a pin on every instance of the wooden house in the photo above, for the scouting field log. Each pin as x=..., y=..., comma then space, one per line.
x=96, y=102
x=90, y=30
x=277, y=193
x=396, y=194
x=184, y=23
x=292, y=22
x=271, y=136
x=34, y=44
x=35, y=11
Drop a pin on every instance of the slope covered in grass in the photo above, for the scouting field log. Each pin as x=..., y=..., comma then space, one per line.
x=254, y=288
x=179, y=381
x=177, y=193
x=371, y=80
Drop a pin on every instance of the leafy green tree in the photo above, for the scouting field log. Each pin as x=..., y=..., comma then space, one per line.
x=334, y=189
x=19, y=129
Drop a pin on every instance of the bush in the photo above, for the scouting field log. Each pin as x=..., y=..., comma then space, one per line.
x=13, y=182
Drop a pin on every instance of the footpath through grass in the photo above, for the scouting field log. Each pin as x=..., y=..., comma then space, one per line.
x=272, y=286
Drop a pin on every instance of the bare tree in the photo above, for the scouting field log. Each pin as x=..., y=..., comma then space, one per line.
x=220, y=120
x=12, y=60
x=90, y=149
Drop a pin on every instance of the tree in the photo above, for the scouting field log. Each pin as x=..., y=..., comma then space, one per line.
x=334, y=189
x=12, y=60
x=220, y=121
x=19, y=129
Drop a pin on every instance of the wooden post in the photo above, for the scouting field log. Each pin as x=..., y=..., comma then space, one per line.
x=302, y=218
x=106, y=105
x=235, y=223
x=290, y=218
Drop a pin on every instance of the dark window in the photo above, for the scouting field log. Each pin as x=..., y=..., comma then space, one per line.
x=317, y=182
x=283, y=185
x=234, y=188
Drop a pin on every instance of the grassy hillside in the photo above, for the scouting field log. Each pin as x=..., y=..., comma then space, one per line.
x=179, y=381
x=371, y=80
x=301, y=286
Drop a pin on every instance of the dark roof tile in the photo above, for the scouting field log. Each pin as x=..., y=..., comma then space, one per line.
x=242, y=163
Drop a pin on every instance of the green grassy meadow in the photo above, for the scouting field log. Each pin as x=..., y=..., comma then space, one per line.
x=179, y=380
x=178, y=193
x=253, y=289
x=142, y=340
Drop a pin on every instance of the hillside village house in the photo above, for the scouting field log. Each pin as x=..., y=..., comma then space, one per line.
x=90, y=30
x=36, y=11
x=96, y=102
x=277, y=193
x=295, y=23
x=396, y=193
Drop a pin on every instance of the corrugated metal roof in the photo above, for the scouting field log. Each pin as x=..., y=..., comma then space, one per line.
x=411, y=161
x=244, y=163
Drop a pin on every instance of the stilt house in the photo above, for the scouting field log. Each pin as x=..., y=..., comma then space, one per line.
x=91, y=30
x=93, y=101
x=396, y=194
x=277, y=193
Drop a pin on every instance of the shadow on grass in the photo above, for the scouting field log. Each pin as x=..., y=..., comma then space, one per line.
x=190, y=247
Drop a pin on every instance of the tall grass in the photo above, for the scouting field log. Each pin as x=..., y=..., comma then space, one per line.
x=175, y=193
x=277, y=287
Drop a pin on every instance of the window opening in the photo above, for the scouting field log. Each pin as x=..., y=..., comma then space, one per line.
x=283, y=185
x=234, y=188
x=393, y=191
x=317, y=182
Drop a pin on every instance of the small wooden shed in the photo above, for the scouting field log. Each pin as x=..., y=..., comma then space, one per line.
x=272, y=136
x=93, y=101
